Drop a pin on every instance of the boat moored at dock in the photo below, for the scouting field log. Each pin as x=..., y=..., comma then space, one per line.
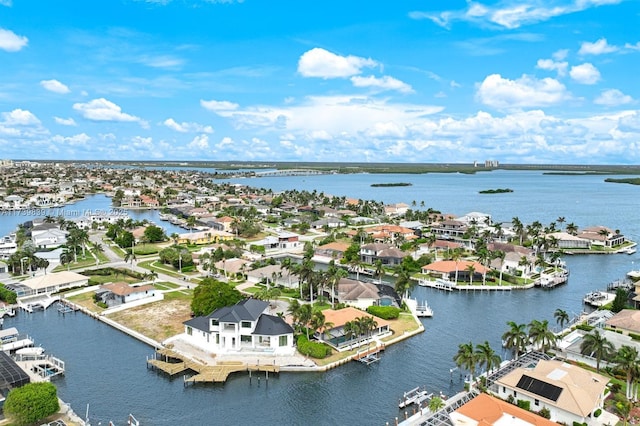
x=414, y=396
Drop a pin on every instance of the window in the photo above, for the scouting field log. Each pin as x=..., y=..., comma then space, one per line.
x=245, y=324
x=245, y=339
x=536, y=402
x=283, y=341
x=189, y=331
x=217, y=339
x=214, y=322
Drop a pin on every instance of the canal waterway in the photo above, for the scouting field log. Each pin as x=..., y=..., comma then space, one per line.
x=107, y=369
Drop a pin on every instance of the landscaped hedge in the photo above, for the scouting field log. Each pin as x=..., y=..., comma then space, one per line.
x=384, y=312
x=525, y=405
x=312, y=349
x=634, y=336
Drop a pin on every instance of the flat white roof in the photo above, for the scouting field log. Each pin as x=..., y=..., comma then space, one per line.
x=54, y=279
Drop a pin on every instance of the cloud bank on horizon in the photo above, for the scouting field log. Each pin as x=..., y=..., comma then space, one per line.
x=518, y=82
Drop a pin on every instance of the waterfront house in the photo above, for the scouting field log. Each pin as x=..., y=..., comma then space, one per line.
x=602, y=236
x=329, y=251
x=450, y=269
x=328, y=222
x=486, y=410
x=281, y=241
x=117, y=293
x=53, y=282
x=482, y=220
x=387, y=232
x=245, y=326
x=626, y=321
x=564, y=240
x=207, y=236
x=570, y=393
x=339, y=338
x=386, y=253
x=49, y=238
x=449, y=229
x=362, y=294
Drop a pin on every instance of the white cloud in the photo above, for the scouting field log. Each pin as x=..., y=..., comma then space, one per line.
x=585, y=73
x=11, y=42
x=7, y=3
x=19, y=117
x=219, y=106
x=509, y=14
x=104, y=110
x=551, y=65
x=632, y=46
x=321, y=63
x=224, y=142
x=77, y=140
x=65, y=121
x=333, y=114
x=598, y=48
x=382, y=83
x=161, y=61
x=560, y=55
x=185, y=127
x=524, y=92
x=54, y=86
x=613, y=97
x=200, y=142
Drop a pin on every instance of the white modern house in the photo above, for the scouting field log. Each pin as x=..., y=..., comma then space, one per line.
x=243, y=327
x=570, y=393
x=53, y=282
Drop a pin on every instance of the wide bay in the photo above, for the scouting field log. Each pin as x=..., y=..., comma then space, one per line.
x=106, y=368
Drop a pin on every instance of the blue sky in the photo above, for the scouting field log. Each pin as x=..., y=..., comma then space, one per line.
x=414, y=81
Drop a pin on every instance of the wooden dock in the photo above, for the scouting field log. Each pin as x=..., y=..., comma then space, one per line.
x=217, y=373
x=369, y=356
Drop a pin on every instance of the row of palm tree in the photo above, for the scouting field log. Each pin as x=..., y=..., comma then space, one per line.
x=305, y=318
x=537, y=334
x=359, y=327
x=469, y=357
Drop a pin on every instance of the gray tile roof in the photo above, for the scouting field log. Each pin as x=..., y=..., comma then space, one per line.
x=270, y=325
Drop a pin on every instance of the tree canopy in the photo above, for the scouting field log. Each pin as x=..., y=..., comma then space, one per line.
x=31, y=403
x=212, y=294
x=153, y=234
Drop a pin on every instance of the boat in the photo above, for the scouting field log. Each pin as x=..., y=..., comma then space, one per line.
x=629, y=250
x=424, y=310
x=34, y=350
x=414, y=396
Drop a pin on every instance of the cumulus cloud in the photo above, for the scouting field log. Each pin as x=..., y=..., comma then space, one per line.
x=551, y=65
x=632, y=46
x=525, y=92
x=598, y=48
x=65, y=121
x=321, y=63
x=11, y=42
x=103, y=110
x=19, y=117
x=200, y=142
x=613, y=97
x=54, y=86
x=585, y=73
x=508, y=14
x=77, y=140
x=185, y=127
x=218, y=106
x=382, y=83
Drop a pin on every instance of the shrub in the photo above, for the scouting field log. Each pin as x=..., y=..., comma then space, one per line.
x=525, y=405
x=312, y=349
x=597, y=412
x=634, y=336
x=31, y=403
x=384, y=312
x=545, y=412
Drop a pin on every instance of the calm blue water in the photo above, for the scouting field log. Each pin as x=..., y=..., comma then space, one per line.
x=9, y=220
x=107, y=368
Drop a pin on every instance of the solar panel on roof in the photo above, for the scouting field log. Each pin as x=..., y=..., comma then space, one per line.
x=543, y=389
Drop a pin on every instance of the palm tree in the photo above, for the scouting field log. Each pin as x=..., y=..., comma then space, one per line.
x=597, y=346
x=319, y=323
x=562, y=317
x=627, y=360
x=436, y=404
x=471, y=270
x=66, y=257
x=516, y=338
x=487, y=356
x=151, y=275
x=541, y=336
x=456, y=256
x=379, y=269
x=466, y=358
x=518, y=228
x=623, y=408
